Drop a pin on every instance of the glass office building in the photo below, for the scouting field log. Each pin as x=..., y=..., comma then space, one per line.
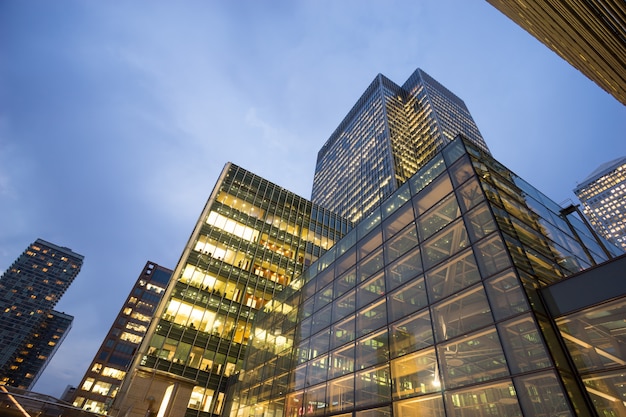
x=589, y=34
x=430, y=306
x=389, y=134
x=29, y=290
x=603, y=195
x=252, y=239
x=103, y=378
x=589, y=310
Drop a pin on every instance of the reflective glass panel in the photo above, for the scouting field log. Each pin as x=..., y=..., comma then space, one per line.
x=398, y=220
x=345, y=262
x=341, y=393
x=401, y=243
x=373, y=386
x=368, y=244
x=321, y=319
x=374, y=412
x=371, y=318
x=470, y=194
x=461, y=313
x=372, y=349
x=323, y=296
x=404, y=269
x=399, y=198
x=317, y=370
x=371, y=265
x=523, y=344
x=491, y=255
x=315, y=400
x=344, y=305
x=542, y=395
x=342, y=361
x=407, y=299
x=432, y=194
x=607, y=390
x=497, y=399
x=445, y=244
x=452, y=276
x=415, y=374
x=370, y=222
x=345, y=282
x=427, y=174
x=319, y=343
x=294, y=407
x=343, y=331
x=474, y=358
x=461, y=171
x=442, y=214
x=413, y=333
x=370, y=290
x=480, y=222
x=506, y=295
x=427, y=406
x=595, y=337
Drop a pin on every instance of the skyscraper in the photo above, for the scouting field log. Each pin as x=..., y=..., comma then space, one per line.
x=589, y=34
x=603, y=195
x=427, y=304
x=388, y=135
x=430, y=306
x=252, y=239
x=102, y=380
x=29, y=290
x=37, y=353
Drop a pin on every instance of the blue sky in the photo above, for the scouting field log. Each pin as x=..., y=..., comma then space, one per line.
x=117, y=117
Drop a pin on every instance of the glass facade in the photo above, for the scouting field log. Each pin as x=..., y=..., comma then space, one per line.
x=603, y=195
x=587, y=34
x=252, y=240
x=430, y=306
x=30, y=330
x=388, y=135
x=589, y=310
x=103, y=378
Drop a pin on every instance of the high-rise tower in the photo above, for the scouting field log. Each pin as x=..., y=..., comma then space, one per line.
x=108, y=368
x=603, y=195
x=386, y=137
x=430, y=307
x=29, y=290
x=589, y=34
x=251, y=240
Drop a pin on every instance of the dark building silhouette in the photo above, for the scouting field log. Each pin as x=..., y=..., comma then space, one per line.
x=30, y=330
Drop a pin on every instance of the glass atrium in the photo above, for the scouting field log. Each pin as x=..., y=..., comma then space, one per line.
x=430, y=306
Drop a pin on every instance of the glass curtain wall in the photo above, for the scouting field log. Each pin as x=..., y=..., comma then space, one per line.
x=428, y=307
x=251, y=241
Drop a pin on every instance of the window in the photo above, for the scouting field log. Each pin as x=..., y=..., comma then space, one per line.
x=415, y=374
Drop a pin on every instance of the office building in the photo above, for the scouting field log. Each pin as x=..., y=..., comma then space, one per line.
x=37, y=352
x=386, y=137
x=589, y=34
x=101, y=382
x=603, y=196
x=252, y=239
x=430, y=306
x=589, y=309
x=29, y=290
